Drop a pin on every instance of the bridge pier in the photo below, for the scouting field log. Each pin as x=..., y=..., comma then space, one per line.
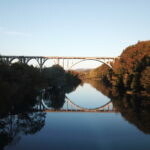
x=63, y=63
x=23, y=60
x=7, y=60
x=40, y=63
x=57, y=61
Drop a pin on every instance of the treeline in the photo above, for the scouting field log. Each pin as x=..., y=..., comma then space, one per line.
x=130, y=72
x=20, y=84
x=31, y=77
x=57, y=77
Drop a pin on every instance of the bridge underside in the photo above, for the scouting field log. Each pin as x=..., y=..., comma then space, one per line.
x=65, y=62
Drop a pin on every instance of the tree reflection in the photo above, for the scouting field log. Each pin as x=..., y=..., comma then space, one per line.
x=53, y=98
x=12, y=126
x=134, y=108
x=17, y=115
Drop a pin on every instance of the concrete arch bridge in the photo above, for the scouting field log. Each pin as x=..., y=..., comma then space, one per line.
x=65, y=62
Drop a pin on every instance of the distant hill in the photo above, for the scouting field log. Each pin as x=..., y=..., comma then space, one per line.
x=83, y=70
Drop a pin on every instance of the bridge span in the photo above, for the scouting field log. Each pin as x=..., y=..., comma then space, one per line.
x=64, y=61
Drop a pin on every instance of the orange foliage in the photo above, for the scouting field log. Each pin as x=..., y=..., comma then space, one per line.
x=131, y=56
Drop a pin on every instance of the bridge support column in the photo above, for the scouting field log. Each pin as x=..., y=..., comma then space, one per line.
x=67, y=64
x=23, y=60
x=7, y=60
x=63, y=63
x=58, y=61
x=41, y=64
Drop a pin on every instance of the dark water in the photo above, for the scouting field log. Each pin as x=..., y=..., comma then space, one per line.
x=83, y=131
x=120, y=126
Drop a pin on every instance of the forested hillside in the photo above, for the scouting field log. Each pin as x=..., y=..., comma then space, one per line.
x=130, y=71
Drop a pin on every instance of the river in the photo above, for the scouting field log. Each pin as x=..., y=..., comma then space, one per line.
x=88, y=120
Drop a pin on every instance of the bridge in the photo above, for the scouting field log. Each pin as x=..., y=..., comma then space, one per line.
x=65, y=62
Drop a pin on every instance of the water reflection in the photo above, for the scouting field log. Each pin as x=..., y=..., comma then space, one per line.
x=88, y=97
x=135, y=109
x=19, y=114
x=77, y=100
x=53, y=98
x=13, y=126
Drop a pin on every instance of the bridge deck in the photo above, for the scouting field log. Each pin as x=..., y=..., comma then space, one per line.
x=58, y=57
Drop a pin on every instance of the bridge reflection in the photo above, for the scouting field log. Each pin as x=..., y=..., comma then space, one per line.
x=97, y=111
x=70, y=106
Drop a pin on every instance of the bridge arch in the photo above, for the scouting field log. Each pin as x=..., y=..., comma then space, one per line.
x=30, y=59
x=93, y=60
x=14, y=58
x=46, y=60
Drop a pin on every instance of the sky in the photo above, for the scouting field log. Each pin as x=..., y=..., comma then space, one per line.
x=72, y=27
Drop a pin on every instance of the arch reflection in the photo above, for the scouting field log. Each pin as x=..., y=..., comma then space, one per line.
x=55, y=99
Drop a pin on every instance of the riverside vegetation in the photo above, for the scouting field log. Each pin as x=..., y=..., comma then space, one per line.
x=130, y=73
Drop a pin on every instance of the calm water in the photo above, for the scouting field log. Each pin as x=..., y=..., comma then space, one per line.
x=103, y=130
x=88, y=97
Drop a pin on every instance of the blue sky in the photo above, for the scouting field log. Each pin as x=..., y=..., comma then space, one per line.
x=72, y=27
